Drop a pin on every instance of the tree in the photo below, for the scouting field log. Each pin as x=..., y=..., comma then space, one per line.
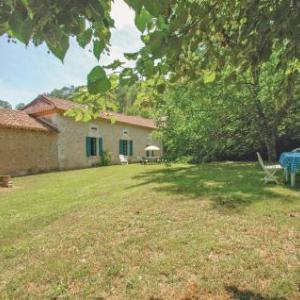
x=222, y=120
x=64, y=92
x=184, y=40
x=19, y=106
x=243, y=32
x=54, y=22
x=5, y=104
x=275, y=90
x=137, y=99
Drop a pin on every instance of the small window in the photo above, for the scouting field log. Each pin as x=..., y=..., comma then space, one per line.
x=93, y=146
x=125, y=134
x=125, y=147
x=150, y=153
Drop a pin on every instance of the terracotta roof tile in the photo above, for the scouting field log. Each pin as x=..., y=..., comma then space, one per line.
x=133, y=120
x=49, y=103
x=38, y=105
x=21, y=120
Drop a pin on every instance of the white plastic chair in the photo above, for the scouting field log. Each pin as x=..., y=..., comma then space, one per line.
x=123, y=159
x=269, y=170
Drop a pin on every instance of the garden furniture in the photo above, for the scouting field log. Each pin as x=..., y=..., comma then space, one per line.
x=123, y=159
x=290, y=161
x=270, y=170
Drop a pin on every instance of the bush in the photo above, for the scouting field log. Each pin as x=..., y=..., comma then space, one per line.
x=106, y=158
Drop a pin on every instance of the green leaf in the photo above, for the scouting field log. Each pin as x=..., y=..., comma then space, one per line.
x=102, y=31
x=20, y=23
x=26, y=31
x=98, y=81
x=114, y=65
x=156, y=43
x=131, y=56
x=60, y=48
x=153, y=6
x=209, y=76
x=135, y=4
x=161, y=88
x=78, y=116
x=85, y=37
x=142, y=19
x=99, y=46
x=96, y=7
x=113, y=119
x=3, y=28
x=86, y=116
x=179, y=19
x=127, y=77
x=149, y=68
x=157, y=7
x=161, y=24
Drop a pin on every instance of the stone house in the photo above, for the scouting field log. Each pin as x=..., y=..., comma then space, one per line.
x=41, y=138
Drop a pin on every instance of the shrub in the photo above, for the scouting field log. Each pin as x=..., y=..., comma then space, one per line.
x=106, y=158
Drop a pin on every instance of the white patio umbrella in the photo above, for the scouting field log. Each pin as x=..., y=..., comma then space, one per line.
x=152, y=148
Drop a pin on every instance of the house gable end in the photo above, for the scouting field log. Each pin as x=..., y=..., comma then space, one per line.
x=39, y=106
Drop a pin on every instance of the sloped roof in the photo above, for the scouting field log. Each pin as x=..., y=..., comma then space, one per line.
x=44, y=104
x=18, y=119
x=133, y=120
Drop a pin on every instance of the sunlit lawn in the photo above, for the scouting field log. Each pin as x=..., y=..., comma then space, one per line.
x=150, y=232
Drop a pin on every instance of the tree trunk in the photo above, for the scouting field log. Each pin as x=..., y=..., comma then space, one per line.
x=267, y=130
x=270, y=142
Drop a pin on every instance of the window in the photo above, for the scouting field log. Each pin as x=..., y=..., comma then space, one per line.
x=123, y=147
x=126, y=147
x=150, y=153
x=100, y=146
x=91, y=146
x=125, y=134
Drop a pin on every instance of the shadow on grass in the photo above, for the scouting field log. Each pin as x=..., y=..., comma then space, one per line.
x=237, y=294
x=228, y=185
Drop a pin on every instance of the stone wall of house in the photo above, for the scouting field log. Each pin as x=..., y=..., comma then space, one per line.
x=27, y=152
x=72, y=140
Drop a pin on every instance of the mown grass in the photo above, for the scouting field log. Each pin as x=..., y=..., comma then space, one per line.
x=212, y=231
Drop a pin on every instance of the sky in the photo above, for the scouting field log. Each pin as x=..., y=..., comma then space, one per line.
x=26, y=72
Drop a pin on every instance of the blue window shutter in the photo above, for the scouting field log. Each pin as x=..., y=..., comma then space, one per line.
x=100, y=146
x=88, y=146
x=130, y=147
x=124, y=147
x=120, y=147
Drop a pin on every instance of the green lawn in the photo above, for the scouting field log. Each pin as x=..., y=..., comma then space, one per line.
x=150, y=232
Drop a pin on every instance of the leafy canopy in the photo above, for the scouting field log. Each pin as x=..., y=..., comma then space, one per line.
x=183, y=39
x=228, y=121
x=5, y=104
